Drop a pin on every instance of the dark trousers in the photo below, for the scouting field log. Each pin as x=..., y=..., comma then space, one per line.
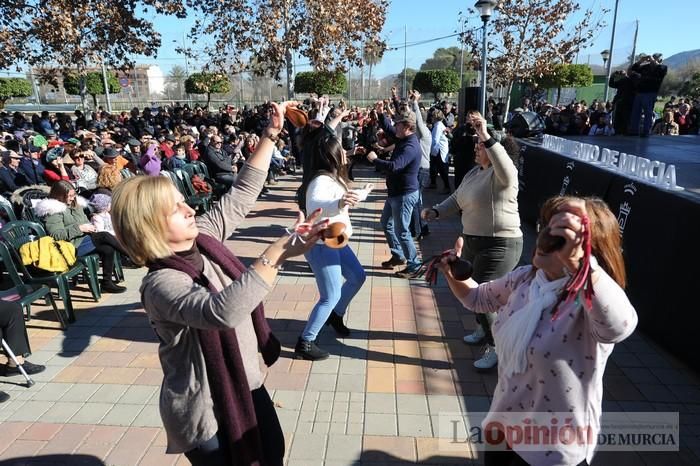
x=215, y=452
x=509, y=458
x=104, y=244
x=12, y=328
x=491, y=257
x=226, y=179
x=437, y=166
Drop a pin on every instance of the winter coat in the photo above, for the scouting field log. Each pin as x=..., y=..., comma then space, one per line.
x=62, y=222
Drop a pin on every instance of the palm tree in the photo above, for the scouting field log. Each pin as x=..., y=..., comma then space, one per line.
x=175, y=81
x=373, y=54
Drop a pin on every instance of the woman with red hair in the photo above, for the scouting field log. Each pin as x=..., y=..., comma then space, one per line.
x=556, y=324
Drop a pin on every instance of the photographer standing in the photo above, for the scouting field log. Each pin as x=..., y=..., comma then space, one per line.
x=647, y=75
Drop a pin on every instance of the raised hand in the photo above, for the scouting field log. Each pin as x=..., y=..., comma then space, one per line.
x=277, y=118
x=568, y=224
x=451, y=256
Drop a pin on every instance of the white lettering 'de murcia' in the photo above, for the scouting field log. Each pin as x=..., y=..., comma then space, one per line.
x=641, y=168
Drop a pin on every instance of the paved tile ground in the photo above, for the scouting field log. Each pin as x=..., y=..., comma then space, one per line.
x=375, y=401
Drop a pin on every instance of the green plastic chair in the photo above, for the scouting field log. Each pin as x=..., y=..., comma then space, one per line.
x=8, y=211
x=17, y=233
x=199, y=168
x=193, y=198
x=23, y=293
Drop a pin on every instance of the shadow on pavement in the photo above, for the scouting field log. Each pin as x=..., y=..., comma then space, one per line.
x=54, y=460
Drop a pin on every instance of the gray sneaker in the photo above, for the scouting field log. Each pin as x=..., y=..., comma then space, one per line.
x=488, y=360
x=476, y=337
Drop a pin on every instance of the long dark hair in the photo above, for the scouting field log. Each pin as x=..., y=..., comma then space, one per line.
x=60, y=190
x=606, y=241
x=326, y=159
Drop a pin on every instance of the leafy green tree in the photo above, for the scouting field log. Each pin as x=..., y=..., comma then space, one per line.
x=436, y=81
x=320, y=82
x=449, y=59
x=94, y=84
x=398, y=81
x=691, y=87
x=13, y=87
x=566, y=75
x=207, y=83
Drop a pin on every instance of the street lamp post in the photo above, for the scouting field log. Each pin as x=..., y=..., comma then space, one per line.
x=605, y=54
x=610, y=50
x=485, y=8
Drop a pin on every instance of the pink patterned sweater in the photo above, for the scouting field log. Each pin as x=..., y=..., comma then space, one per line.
x=566, y=358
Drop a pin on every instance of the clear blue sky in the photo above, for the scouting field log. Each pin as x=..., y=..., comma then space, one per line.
x=661, y=27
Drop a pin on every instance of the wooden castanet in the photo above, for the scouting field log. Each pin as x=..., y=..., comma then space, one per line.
x=461, y=269
x=334, y=236
x=547, y=243
x=296, y=116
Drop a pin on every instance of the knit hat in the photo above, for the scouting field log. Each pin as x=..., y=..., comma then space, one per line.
x=100, y=202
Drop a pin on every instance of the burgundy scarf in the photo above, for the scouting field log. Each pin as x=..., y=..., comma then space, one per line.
x=225, y=371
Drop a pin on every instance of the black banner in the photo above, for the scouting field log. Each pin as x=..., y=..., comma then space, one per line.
x=544, y=174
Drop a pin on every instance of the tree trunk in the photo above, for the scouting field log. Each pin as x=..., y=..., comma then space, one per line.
x=208, y=99
x=369, y=83
x=83, y=95
x=558, y=94
x=94, y=101
x=362, y=82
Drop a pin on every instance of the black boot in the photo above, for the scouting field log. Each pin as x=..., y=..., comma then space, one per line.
x=308, y=350
x=108, y=286
x=336, y=321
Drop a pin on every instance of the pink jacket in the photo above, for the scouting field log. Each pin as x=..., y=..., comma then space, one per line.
x=566, y=357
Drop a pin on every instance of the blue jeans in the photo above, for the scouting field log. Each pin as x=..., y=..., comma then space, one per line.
x=643, y=102
x=396, y=219
x=330, y=266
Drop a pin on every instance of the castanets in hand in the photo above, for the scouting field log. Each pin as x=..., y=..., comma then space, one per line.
x=461, y=269
x=547, y=243
x=334, y=236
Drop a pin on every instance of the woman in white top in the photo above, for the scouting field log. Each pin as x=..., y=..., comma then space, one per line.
x=328, y=188
x=85, y=175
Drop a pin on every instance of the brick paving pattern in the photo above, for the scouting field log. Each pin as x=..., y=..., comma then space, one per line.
x=375, y=401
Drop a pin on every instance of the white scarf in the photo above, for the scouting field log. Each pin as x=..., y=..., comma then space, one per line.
x=515, y=334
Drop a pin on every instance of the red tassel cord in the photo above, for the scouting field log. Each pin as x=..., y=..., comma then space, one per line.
x=581, y=282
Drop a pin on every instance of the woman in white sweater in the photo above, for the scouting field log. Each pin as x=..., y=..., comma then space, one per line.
x=328, y=188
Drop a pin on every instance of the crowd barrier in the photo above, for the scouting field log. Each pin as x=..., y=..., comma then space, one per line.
x=660, y=230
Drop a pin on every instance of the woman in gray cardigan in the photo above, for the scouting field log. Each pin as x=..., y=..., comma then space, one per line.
x=493, y=242
x=204, y=306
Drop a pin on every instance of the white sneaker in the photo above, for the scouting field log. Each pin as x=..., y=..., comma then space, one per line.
x=476, y=337
x=488, y=360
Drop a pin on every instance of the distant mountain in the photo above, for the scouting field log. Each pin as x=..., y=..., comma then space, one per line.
x=678, y=60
